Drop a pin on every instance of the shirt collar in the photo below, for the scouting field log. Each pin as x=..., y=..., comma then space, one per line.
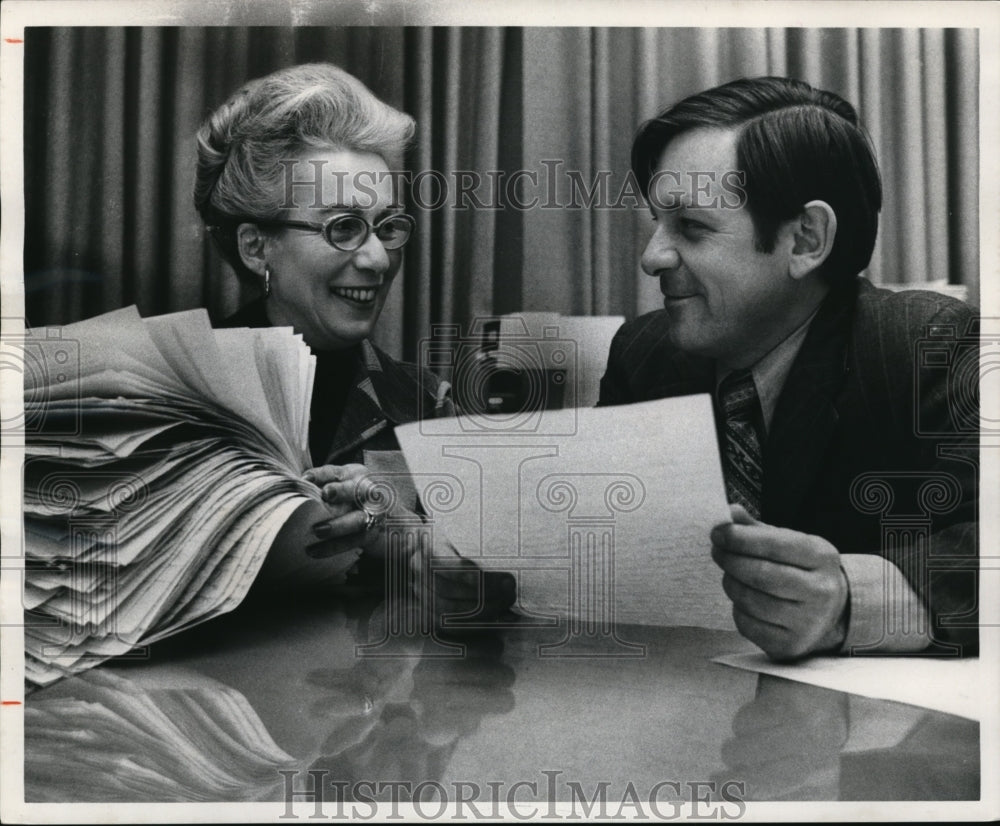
x=770, y=371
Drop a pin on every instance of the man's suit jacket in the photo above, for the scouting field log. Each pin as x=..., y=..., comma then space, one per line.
x=874, y=440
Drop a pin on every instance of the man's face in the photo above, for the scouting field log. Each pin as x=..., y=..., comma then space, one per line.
x=726, y=300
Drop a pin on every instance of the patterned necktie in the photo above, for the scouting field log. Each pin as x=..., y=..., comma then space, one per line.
x=742, y=460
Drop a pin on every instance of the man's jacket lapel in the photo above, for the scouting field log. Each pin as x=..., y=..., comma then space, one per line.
x=806, y=415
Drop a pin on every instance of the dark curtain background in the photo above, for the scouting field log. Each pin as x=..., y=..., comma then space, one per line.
x=110, y=116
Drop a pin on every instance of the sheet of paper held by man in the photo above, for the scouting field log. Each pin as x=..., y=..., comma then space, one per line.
x=601, y=513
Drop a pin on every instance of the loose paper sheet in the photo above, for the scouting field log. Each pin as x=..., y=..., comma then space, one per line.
x=585, y=505
x=950, y=685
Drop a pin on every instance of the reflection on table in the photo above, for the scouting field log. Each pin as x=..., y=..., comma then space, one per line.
x=244, y=708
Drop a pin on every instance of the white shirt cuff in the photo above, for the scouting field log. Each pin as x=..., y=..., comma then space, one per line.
x=886, y=615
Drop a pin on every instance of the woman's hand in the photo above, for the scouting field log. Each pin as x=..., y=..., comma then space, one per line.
x=448, y=583
x=355, y=517
x=286, y=558
x=442, y=580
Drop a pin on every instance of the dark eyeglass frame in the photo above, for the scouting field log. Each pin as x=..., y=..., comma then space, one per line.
x=326, y=226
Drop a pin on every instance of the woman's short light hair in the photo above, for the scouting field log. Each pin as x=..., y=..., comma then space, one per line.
x=242, y=144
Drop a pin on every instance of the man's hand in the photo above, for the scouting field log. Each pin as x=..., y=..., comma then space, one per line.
x=789, y=593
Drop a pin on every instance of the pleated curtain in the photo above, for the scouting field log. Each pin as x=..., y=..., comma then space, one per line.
x=111, y=113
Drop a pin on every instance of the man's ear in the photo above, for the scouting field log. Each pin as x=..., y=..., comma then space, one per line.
x=250, y=242
x=813, y=233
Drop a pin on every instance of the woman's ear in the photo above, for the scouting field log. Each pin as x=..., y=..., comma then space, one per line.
x=251, y=244
x=813, y=234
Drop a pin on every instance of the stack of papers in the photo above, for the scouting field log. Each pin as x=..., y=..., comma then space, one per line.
x=163, y=458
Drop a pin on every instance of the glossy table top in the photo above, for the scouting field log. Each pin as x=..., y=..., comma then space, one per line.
x=215, y=714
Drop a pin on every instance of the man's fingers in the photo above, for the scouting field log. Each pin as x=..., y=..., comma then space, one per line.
x=501, y=587
x=775, y=641
x=453, y=579
x=774, y=578
x=740, y=516
x=780, y=545
x=449, y=595
x=759, y=604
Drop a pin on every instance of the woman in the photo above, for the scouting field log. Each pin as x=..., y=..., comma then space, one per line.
x=294, y=184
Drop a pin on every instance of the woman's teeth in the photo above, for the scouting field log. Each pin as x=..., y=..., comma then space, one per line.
x=361, y=296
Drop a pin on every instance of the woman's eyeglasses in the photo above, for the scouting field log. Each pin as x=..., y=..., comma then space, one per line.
x=350, y=232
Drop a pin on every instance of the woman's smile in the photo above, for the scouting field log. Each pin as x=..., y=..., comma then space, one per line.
x=362, y=296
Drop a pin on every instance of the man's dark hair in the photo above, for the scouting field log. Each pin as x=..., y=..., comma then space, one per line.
x=796, y=144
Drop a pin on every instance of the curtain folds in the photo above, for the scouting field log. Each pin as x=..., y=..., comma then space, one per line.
x=535, y=123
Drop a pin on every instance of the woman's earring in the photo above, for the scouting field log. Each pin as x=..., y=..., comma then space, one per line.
x=267, y=281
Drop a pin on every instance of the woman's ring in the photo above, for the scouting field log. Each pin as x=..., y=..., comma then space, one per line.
x=373, y=520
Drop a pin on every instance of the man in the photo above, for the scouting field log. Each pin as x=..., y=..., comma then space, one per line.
x=851, y=469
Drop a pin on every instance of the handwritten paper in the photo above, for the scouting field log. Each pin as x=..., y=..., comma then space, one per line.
x=601, y=513
x=163, y=460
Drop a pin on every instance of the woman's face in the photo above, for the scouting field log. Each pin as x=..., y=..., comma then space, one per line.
x=331, y=297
